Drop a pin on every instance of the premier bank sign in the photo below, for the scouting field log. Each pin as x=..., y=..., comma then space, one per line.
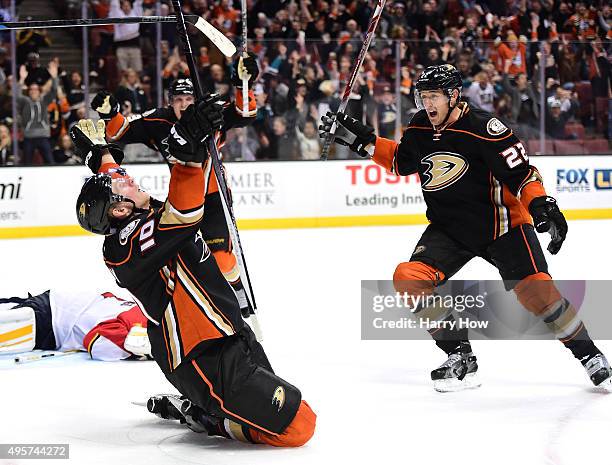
x=253, y=188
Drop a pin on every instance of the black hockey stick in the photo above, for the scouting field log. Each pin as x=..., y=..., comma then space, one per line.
x=245, y=82
x=216, y=37
x=219, y=171
x=84, y=22
x=329, y=138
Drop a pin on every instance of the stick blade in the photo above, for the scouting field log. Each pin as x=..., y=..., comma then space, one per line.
x=221, y=42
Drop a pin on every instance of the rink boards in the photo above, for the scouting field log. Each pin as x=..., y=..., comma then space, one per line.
x=40, y=201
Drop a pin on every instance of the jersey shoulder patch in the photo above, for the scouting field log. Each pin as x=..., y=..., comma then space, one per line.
x=127, y=231
x=495, y=127
x=118, y=246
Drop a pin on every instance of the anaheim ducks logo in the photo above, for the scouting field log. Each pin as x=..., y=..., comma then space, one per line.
x=83, y=210
x=443, y=169
x=278, y=398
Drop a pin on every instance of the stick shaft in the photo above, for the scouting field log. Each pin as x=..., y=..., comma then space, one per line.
x=86, y=22
x=245, y=82
x=380, y=5
x=216, y=160
x=36, y=356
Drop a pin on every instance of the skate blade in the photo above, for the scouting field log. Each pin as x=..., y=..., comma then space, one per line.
x=471, y=381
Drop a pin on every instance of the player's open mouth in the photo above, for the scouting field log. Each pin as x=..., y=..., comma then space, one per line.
x=432, y=114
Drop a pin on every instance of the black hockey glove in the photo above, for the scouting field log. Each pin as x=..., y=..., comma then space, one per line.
x=90, y=144
x=242, y=66
x=105, y=104
x=349, y=132
x=198, y=122
x=548, y=218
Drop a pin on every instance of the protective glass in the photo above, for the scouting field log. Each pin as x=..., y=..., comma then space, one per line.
x=434, y=96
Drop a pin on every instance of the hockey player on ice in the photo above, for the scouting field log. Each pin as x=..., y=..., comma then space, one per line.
x=483, y=200
x=152, y=128
x=107, y=327
x=198, y=336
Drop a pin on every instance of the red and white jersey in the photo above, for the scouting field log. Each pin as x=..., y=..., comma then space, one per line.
x=98, y=323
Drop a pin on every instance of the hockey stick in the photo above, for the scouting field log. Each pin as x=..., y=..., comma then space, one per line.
x=85, y=22
x=245, y=82
x=37, y=355
x=329, y=138
x=219, y=171
x=221, y=42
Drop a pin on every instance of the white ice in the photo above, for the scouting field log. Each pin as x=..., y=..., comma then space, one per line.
x=374, y=400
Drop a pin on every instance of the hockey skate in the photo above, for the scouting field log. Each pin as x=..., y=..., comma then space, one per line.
x=599, y=371
x=173, y=407
x=457, y=373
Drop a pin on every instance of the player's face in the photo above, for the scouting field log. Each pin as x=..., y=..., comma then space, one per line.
x=180, y=103
x=436, y=105
x=126, y=187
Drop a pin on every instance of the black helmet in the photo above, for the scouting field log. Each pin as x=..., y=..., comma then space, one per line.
x=439, y=77
x=93, y=204
x=181, y=86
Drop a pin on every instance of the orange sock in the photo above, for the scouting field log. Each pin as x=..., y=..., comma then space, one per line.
x=298, y=433
x=226, y=261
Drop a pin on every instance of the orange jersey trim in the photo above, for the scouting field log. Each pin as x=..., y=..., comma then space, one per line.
x=106, y=167
x=193, y=323
x=252, y=104
x=535, y=268
x=461, y=130
x=480, y=137
x=518, y=213
x=158, y=119
x=116, y=127
x=186, y=187
x=494, y=205
x=530, y=191
x=164, y=330
x=201, y=289
x=384, y=154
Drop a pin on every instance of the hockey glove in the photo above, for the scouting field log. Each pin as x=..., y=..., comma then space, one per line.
x=198, y=122
x=548, y=218
x=245, y=68
x=90, y=145
x=137, y=341
x=105, y=104
x=349, y=132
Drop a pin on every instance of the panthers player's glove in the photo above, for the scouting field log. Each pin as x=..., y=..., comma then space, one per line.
x=243, y=68
x=105, y=104
x=349, y=132
x=137, y=341
x=89, y=143
x=548, y=218
x=198, y=122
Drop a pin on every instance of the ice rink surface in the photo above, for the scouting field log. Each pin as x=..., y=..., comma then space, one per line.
x=374, y=399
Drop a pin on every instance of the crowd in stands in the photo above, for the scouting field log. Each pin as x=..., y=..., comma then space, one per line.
x=513, y=55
